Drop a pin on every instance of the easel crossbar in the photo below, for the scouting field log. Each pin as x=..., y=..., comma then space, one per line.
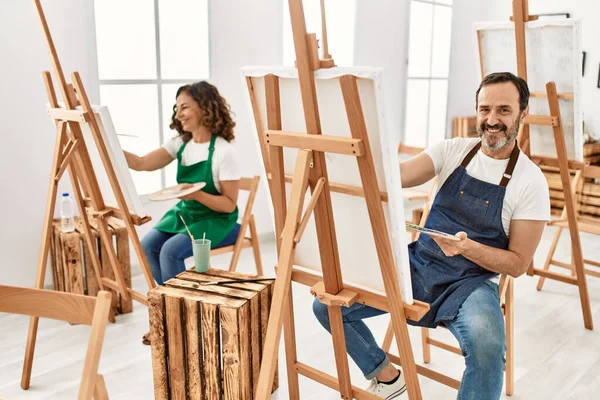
x=325, y=143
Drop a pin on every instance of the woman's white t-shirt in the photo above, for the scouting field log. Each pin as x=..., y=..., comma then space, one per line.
x=224, y=161
x=527, y=195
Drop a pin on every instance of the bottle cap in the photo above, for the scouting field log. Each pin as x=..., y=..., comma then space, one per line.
x=65, y=194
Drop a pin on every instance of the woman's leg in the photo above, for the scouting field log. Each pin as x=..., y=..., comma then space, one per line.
x=173, y=254
x=152, y=244
x=479, y=328
x=360, y=343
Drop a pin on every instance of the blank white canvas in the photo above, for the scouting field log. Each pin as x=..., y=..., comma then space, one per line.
x=553, y=54
x=356, y=245
x=117, y=159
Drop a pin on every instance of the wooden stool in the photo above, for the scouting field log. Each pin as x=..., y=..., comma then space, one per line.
x=207, y=340
x=72, y=268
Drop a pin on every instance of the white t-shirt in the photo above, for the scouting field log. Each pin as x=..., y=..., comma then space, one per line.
x=527, y=195
x=224, y=161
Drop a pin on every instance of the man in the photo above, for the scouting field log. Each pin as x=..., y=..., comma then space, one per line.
x=496, y=201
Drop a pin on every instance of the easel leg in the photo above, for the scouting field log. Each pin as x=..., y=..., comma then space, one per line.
x=289, y=331
x=281, y=291
x=255, y=247
x=100, y=392
x=43, y=256
x=387, y=340
x=550, y=256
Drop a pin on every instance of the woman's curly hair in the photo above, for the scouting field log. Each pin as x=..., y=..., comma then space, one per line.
x=217, y=113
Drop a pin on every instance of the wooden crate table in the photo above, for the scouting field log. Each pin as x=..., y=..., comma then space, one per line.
x=72, y=268
x=207, y=340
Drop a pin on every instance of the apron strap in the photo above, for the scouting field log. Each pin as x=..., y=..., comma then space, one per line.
x=471, y=154
x=211, y=147
x=514, y=156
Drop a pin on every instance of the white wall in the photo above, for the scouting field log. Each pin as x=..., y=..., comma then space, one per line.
x=27, y=132
x=464, y=74
x=381, y=40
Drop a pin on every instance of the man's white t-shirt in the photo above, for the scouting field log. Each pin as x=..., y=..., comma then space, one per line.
x=224, y=161
x=527, y=195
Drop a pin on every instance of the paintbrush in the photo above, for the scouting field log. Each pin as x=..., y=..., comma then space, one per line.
x=186, y=227
x=236, y=281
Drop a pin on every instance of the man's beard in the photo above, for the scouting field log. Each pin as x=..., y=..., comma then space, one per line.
x=502, y=142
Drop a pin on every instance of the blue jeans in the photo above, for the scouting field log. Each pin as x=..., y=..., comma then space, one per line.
x=479, y=328
x=166, y=252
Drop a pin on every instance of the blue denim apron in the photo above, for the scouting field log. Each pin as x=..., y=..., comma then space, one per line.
x=462, y=204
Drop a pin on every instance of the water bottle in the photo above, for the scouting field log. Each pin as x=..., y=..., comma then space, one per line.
x=67, y=222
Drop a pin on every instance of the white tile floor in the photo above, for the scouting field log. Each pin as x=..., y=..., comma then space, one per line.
x=556, y=358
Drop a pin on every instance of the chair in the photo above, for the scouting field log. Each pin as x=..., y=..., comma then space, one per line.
x=506, y=301
x=242, y=242
x=75, y=309
x=464, y=127
x=586, y=224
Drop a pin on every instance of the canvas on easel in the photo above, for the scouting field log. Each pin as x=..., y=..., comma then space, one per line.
x=347, y=148
x=547, y=54
x=71, y=153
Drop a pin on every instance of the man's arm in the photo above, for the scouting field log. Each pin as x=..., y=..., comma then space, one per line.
x=525, y=236
x=417, y=170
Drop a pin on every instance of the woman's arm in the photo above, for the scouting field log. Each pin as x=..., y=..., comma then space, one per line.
x=225, y=202
x=152, y=161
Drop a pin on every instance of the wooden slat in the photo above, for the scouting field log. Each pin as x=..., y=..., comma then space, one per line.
x=541, y=120
x=244, y=323
x=109, y=275
x=561, y=96
x=557, y=277
x=231, y=365
x=228, y=249
x=90, y=275
x=61, y=114
x=192, y=348
x=442, y=345
x=329, y=144
x=212, y=352
x=122, y=242
x=160, y=370
x=73, y=308
x=176, y=346
x=72, y=254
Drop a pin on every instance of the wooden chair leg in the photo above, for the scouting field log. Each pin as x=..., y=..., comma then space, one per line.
x=100, y=392
x=237, y=249
x=426, y=345
x=94, y=349
x=551, y=252
x=255, y=247
x=389, y=335
x=509, y=326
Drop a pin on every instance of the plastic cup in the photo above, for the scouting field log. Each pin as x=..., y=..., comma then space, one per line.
x=201, y=250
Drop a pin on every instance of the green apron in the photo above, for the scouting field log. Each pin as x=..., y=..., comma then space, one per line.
x=199, y=218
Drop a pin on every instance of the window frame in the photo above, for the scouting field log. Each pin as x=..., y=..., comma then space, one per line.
x=160, y=81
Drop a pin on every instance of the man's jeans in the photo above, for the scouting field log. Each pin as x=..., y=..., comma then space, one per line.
x=479, y=328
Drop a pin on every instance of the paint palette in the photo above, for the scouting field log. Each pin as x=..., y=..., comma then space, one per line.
x=174, y=192
x=431, y=232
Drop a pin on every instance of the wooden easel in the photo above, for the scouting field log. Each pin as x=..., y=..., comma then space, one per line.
x=520, y=16
x=70, y=152
x=310, y=170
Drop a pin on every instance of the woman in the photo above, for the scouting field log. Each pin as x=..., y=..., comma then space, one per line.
x=204, y=153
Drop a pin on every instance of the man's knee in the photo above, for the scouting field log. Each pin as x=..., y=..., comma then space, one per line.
x=487, y=344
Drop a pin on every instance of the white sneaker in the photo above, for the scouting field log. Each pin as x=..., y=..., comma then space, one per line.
x=387, y=391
